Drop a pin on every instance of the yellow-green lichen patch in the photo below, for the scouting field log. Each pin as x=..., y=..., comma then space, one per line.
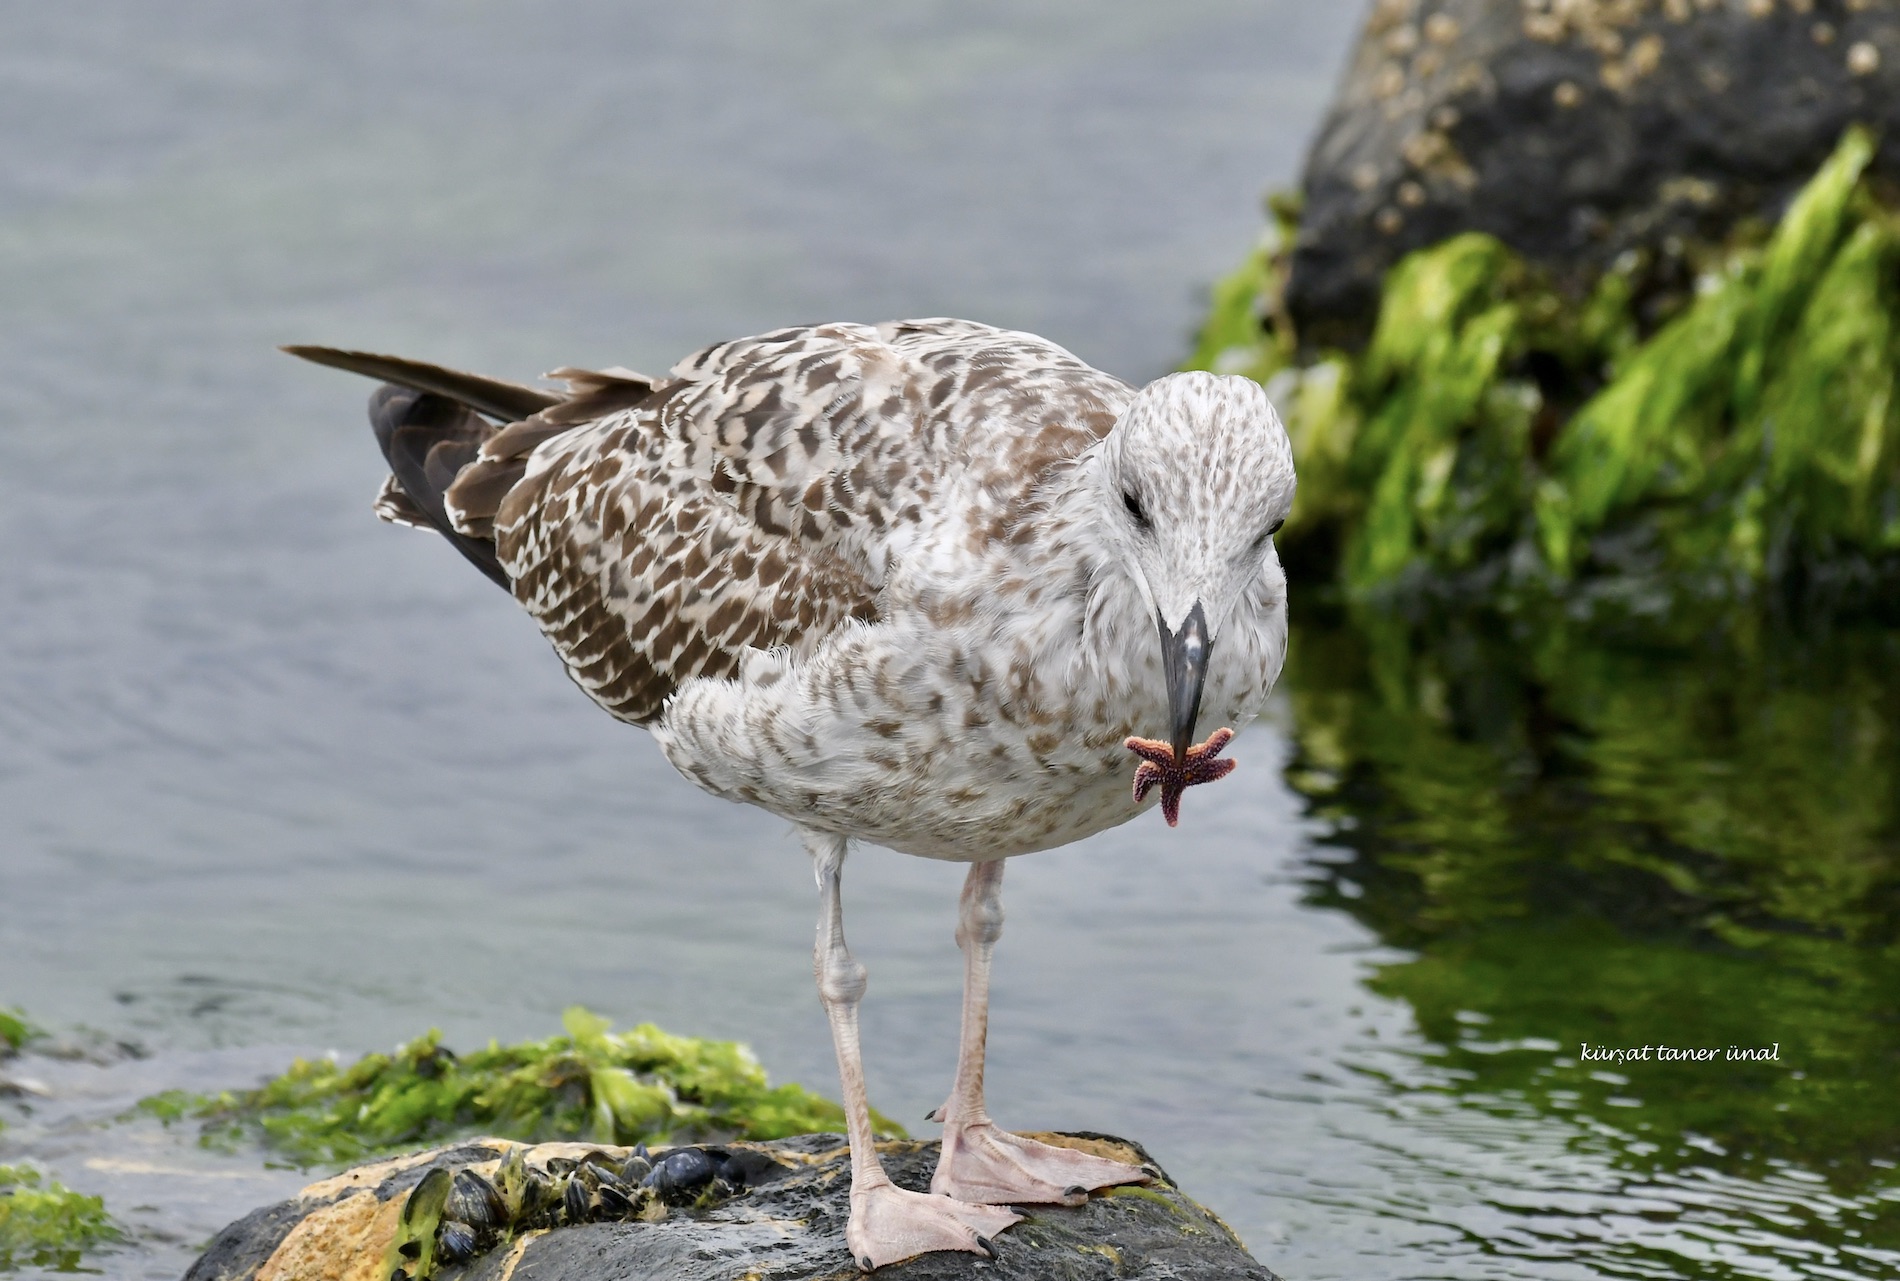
x=43, y=1224
x=641, y=1085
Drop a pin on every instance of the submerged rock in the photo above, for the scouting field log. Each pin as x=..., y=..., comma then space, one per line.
x=1577, y=130
x=772, y=1211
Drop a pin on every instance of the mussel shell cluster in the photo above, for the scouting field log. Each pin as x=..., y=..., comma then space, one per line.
x=453, y=1217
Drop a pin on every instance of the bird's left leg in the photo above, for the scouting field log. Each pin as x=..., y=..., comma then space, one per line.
x=887, y=1223
x=980, y=1162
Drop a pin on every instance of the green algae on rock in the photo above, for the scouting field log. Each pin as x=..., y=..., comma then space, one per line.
x=1498, y=435
x=15, y=1031
x=641, y=1085
x=46, y=1225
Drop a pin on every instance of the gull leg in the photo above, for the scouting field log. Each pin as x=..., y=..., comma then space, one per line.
x=887, y=1223
x=980, y=1162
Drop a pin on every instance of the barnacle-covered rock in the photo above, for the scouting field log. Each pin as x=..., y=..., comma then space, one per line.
x=769, y=1211
x=1575, y=131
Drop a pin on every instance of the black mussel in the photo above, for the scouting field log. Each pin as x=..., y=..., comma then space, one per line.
x=538, y=1194
x=608, y=1176
x=613, y=1202
x=559, y=1165
x=750, y=1168
x=456, y=1242
x=575, y=1201
x=427, y=1197
x=636, y=1168
x=682, y=1170
x=477, y=1202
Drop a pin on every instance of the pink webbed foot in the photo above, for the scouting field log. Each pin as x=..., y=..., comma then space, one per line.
x=889, y=1224
x=988, y=1166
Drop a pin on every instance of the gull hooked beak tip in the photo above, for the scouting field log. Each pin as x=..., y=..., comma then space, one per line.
x=1184, y=666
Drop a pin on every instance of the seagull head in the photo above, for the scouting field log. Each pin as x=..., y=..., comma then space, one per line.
x=1197, y=477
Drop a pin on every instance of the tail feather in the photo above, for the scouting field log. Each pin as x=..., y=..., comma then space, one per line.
x=450, y=467
x=428, y=440
x=509, y=402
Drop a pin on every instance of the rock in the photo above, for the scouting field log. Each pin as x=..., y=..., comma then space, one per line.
x=1575, y=130
x=771, y=1212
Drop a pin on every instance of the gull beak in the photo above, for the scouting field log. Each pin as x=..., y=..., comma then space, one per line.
x=1184, y=666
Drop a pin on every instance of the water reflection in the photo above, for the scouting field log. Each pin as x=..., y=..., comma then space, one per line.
x=1680, y=841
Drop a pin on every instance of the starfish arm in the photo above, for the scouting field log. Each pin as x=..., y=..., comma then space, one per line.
x=1202, y=764
x=1171, y=791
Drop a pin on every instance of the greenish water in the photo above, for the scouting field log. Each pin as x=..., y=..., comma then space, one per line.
x=1587, y=844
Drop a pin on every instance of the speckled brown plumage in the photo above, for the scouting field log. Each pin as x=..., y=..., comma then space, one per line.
x=657, y=528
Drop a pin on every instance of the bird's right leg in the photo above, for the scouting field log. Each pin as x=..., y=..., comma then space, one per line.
x=888, y=1223
x=982, y=1162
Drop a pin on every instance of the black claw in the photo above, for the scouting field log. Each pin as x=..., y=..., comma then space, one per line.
x=1077, y=1191
x=935, y=1114
x=987, y=1247
x=865, y=1264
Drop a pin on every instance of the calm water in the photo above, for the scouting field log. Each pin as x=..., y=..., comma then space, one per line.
x=277, y=779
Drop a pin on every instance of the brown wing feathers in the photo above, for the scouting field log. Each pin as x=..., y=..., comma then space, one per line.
x=670, y=527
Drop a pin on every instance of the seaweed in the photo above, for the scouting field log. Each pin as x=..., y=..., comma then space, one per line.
x=46, y=1225
x=15, y=1032
x=641, y=1085
x=1499, y=437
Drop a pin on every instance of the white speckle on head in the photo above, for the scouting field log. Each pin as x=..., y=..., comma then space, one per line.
x=1195, y=477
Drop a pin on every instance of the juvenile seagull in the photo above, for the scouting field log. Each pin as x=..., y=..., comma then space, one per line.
x=913, y=584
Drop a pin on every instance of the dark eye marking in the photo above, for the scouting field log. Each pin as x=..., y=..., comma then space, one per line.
x=1260, y=540
x=1135, y=511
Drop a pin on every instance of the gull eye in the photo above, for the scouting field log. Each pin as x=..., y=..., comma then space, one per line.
x=1268, y=532
x=1135, y=512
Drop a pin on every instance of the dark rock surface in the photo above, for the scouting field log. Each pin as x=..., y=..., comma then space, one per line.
x=772, y=1212
x=1574, y=130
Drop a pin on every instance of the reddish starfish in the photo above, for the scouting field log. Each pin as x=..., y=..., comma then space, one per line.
x=1158, y=765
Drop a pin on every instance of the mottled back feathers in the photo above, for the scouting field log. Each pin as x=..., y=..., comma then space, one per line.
x=760, y=495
